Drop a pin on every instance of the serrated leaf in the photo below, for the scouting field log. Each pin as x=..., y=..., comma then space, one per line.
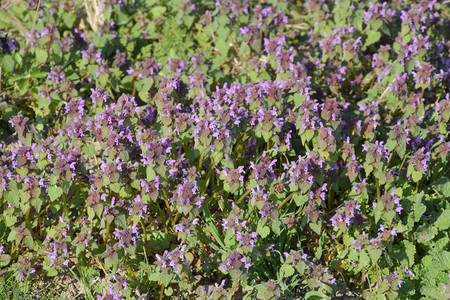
x=419, y=207
x=151, y=174
x=28, y=240
x=425, y=233
x=51, y=272
x=375, y=254
x=300, y=200
x=223, y=46
x=168, y=291
x=416, y=176
x=443, y=186
x=13, y=197
x=443, y=222
x=89, y=150
x=263, y=231
x=372, y=37
x=157, y=11
x=54, y=192
x=4, y=259
x=287, y=271
x=121, y=221
x=41, y=55
x=115, y=187
x=404, y=253
x=364, y=259
x=316, y=227
x=8, y=63
x=90, y=212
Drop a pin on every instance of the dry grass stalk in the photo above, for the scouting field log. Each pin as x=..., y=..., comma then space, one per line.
x=94, y=12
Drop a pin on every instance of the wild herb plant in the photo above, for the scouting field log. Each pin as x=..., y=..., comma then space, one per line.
x=227, y=149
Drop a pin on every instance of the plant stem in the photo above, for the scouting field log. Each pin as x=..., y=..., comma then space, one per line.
x=243, y=196
x=378, y=274
x=65, y=209
x=177, y=216
x=200, y=163
x=161, y=293
x=286, y=200
x=28, y=216
x=166, y=200
x=403, y=161
x=378, y=189
x=107, y=231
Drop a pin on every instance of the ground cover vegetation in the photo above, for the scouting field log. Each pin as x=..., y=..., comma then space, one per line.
x=226, y=149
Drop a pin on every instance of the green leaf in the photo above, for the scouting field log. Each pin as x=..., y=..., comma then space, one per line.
x=425, y=233
x=41, y=55
x=90, y=212
x=316, y=295
x=316, y=227
x=363, y=260
x=151, y=174
x=300, y=200
x=404, y=253
x=54, y=192
x=375, y=255
x=168, y=291
x=211, y=226
x=443, y=222
x=4, y=259
x=157, y=240
x=263, y=231
x=121, y=221
x=69, y=19
x=372, y=37
x=286, y=271
x=339, y=258
x=51, y=272
x=416, y=176
x=89, y=150
x=223, y=46
x=8, y=63
x=419, y=207
x=2, y=229
x=38, y=75
x=115, y=187
x=13, y=197
x=299, y=99
x=157, y=11
x=28, y=240
x=443, y=186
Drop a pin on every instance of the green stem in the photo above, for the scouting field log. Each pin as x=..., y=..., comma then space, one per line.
x=28, y=216
x=65, y=208
x=215, y=195
x=330, y=198
x=390, y=158
x=170, y=219
x=378, y=189
x=286, y=200
x=161, y=293
x=378, y=274
x=403, y=161
x=243, y=196
x=177, y=216
x=200, y=163
x=144, y=232
x=108, y=228
x=208, y=179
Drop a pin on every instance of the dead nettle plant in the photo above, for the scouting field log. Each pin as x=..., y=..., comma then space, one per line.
x=235, y=149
